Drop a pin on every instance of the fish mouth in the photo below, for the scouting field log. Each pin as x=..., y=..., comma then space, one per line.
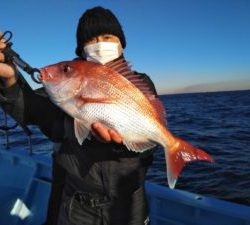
x=45, y=75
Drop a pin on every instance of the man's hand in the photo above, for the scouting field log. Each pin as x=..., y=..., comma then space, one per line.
x=7, y=72
x=104, y=134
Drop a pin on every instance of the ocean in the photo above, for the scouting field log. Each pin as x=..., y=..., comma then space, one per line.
x=217, y=122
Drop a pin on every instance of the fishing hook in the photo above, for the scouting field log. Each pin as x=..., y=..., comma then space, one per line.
x=12, y=57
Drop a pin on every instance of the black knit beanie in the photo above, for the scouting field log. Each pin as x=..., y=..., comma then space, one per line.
x=94, y=22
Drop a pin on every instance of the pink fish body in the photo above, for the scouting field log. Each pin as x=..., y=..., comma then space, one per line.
x=91, y=92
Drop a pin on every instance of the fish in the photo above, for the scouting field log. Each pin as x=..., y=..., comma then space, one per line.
x=115, y=96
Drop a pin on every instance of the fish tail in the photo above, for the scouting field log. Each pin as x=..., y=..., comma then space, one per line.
x=178, y=154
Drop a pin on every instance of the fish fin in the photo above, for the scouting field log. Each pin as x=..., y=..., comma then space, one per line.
x=140, y=81
x=138, y=146
x=122, y=67
x=178, y=155
x=81, y=131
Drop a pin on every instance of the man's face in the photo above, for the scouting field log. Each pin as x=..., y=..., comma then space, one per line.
x=105, y=38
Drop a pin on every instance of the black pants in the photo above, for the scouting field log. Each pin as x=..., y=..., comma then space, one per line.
x=127, y=205
x=99, y=210
x=58, y=180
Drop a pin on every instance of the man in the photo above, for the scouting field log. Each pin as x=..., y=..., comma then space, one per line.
x=100, y=182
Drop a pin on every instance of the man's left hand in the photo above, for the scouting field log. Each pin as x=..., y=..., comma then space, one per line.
x=105, y=134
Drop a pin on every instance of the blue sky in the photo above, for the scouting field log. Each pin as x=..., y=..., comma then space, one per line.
x=178, y=43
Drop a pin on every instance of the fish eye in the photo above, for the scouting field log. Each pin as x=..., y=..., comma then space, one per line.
x=66, y=68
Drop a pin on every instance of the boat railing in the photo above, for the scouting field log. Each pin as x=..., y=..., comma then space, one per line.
x=6, y=128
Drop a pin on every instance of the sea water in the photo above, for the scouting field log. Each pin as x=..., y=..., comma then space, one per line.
x=218, y=123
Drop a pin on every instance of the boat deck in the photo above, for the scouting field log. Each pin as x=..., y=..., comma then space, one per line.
x=25, y=186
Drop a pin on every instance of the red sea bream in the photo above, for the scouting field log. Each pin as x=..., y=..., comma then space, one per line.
x=119, y=99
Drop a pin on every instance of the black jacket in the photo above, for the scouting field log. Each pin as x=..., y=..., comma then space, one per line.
x=107, y=169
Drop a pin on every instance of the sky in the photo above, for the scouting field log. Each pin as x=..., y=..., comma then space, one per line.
x=183, y=45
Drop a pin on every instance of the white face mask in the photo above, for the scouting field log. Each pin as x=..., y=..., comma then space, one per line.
x=102, y=52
